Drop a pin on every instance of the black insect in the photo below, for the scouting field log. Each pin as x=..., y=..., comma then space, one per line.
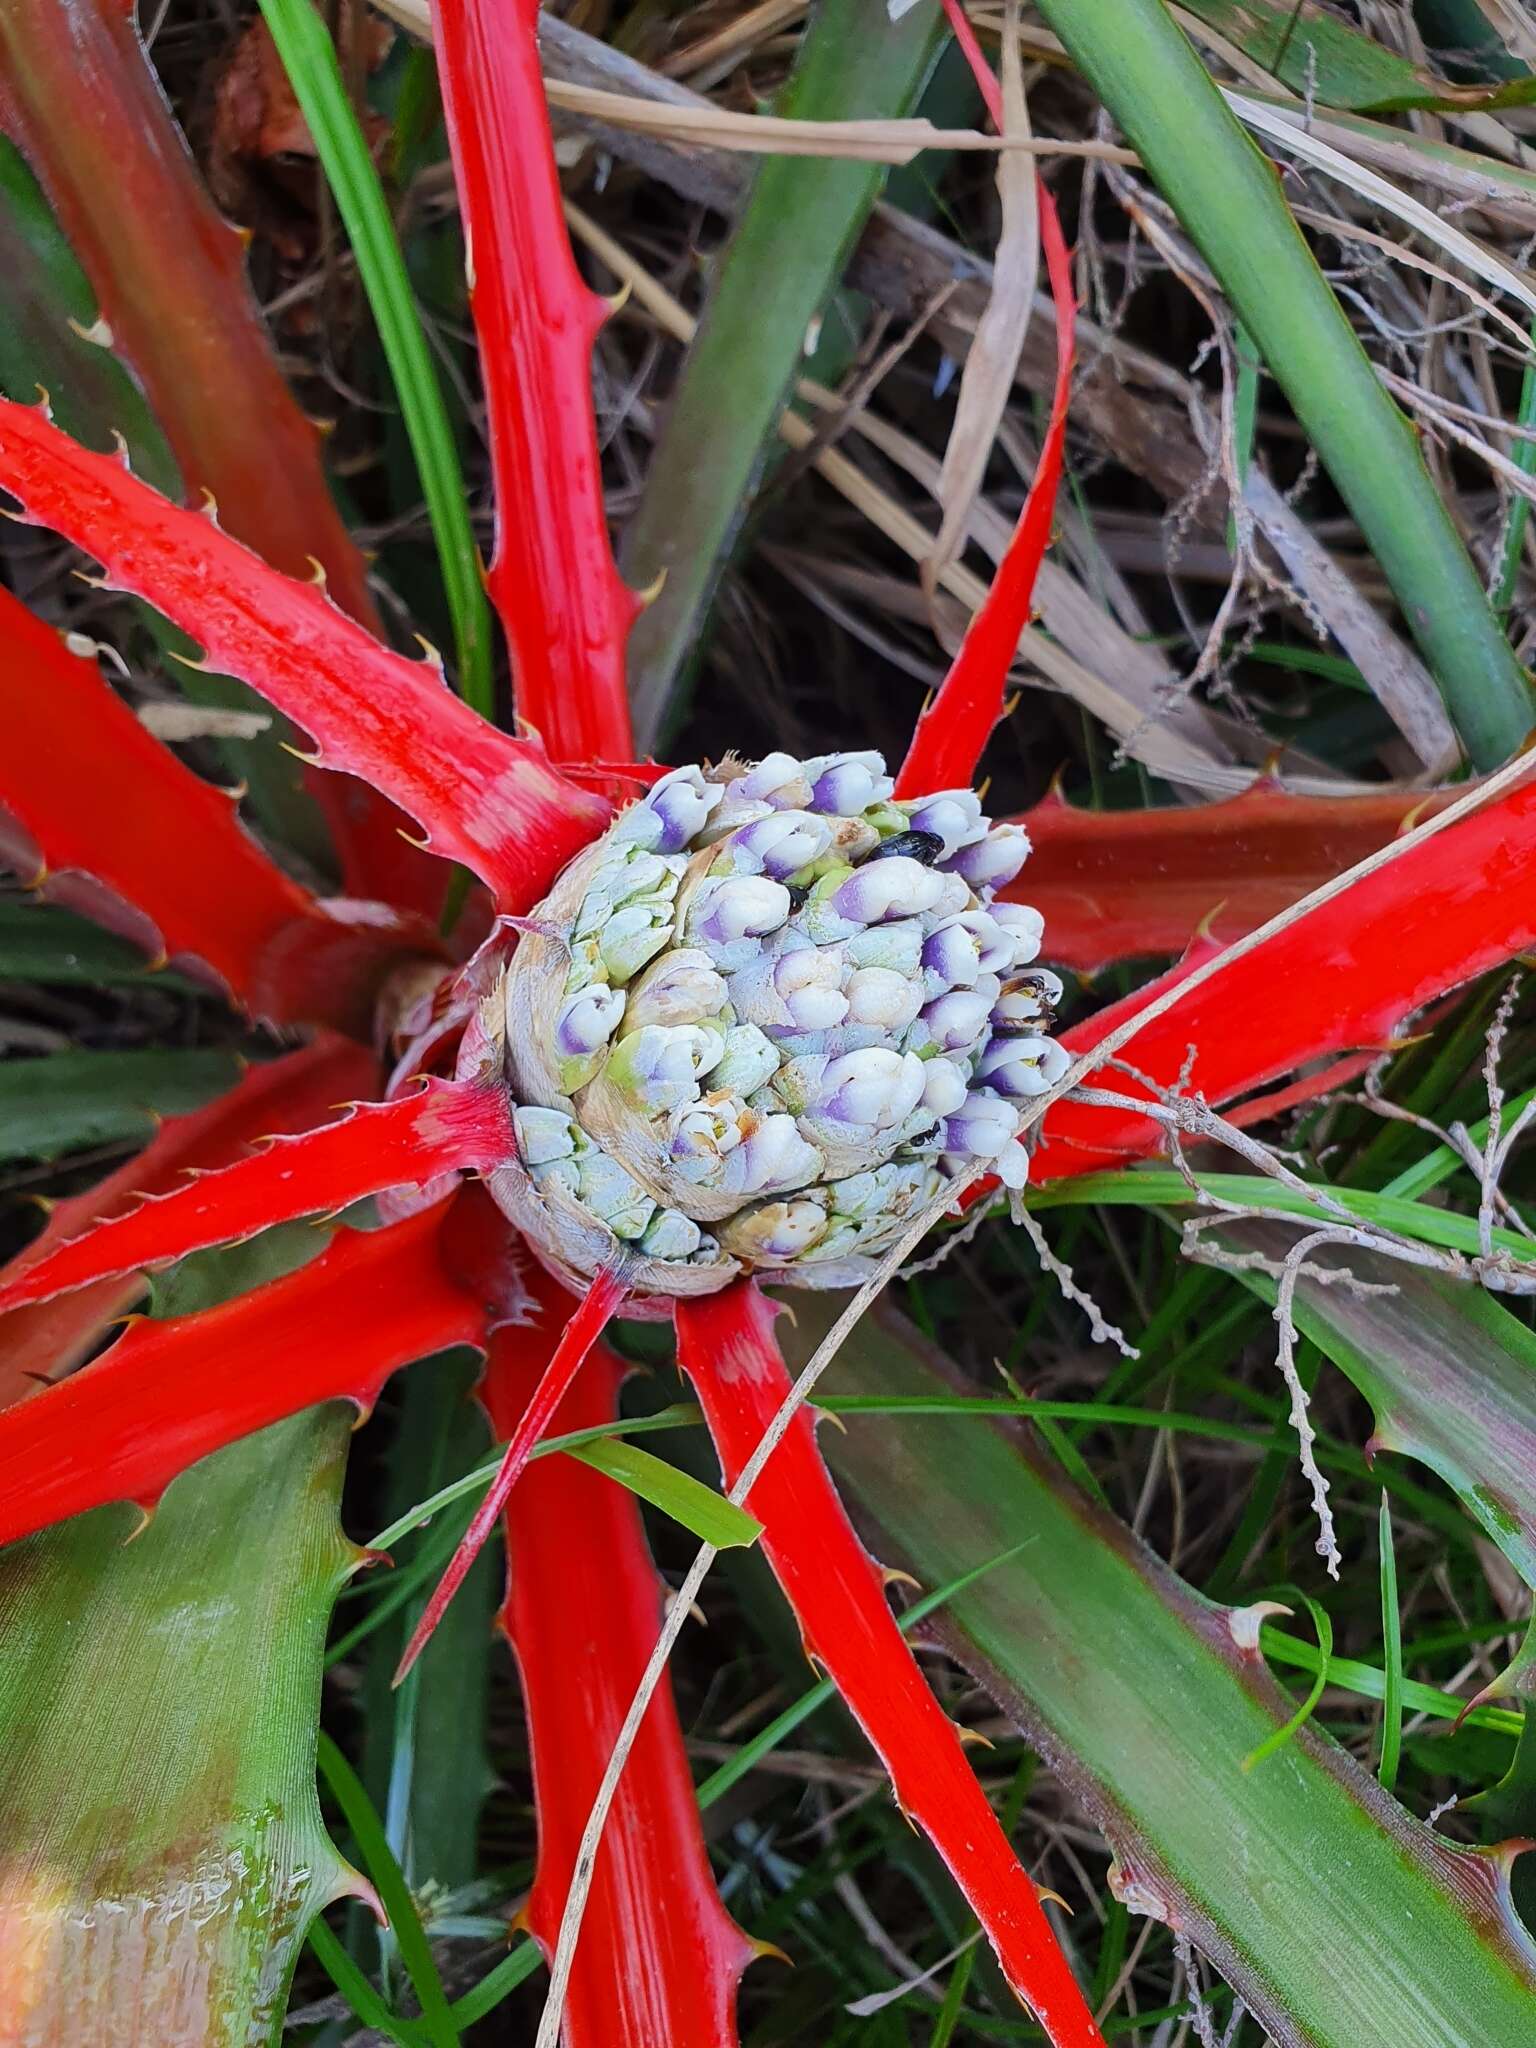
x=927, y=847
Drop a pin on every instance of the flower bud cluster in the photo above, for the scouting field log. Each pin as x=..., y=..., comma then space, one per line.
x=783, y=1012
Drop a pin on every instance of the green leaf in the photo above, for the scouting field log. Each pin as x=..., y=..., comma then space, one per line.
x=309, y=57
x=41, y=943
x=709, y=1515
x=1231, y=203
x=72, y=1099
x=1140, y=1696
x=1334, y=64
x=1449, y=1373
x=161, y=1848
x=773, y=279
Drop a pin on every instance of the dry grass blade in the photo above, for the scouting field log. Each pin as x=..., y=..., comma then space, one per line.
x=1471, y=255
x=1164, y=751
x=986, y=384
x=1402, y=684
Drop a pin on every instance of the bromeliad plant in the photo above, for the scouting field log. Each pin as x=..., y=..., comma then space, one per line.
x=727, y=1025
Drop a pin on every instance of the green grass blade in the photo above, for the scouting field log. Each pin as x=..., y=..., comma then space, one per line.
x=699, y=1508
x=1272, y=1744
x=1392, y=1657
x=437, y=2022
x=1230, y=201
x=1162, y=1188
x=309, y=57
x=354, y=1987
x=1136, y=1692
x=772, y=280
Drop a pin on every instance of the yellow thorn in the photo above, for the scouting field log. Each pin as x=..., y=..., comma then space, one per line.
x=647, y=597
x=761, y=1950
x=975, y=1739
x=190, y=661
x=99, y=334
x=431, y=655
x=617, y=301
x=209, y=508
x=826, y=1415
x=316, y=571
x=421, y=845
x=1044, y=1892
x=890, y=1576
x=298, y=753
x=44, y=401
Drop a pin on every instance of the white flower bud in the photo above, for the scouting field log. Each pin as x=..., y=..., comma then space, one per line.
x=878, y=996
x=1025, y=928
x=682, y=988
x=633, y=936
x=748, y=1062
x=773, y=1157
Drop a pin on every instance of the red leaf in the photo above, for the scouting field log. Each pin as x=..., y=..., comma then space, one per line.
x=567, y=613
x=955, y=727
x=1343, y=977
x=169, y=1393
x=659, y=1955
x=485, y=799
x=47, y=1338
x=581, y=1332
x=448, y=1127
x=1112, y=885
x=98, y=795
x=80, y=99
x=727, y=1347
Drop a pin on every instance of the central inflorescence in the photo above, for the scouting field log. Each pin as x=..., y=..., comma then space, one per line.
x=766, y=1017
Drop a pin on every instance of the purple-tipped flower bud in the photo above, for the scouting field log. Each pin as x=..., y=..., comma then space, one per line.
x=875, y=1088
x=847, y=784
x=956, y=1021
x=945, y=1086
x=885, y=889
x=1023, y=1066
x=659, y=1065
x=587, y=1020
x=982, y=1125
x=671, y=812
x=994, y=943
x=951, y=958
x=991, y=862
x=954, y=814
x=774, y=1157
x=779, y=844
x=683, y=988
x=1025, y=928
x=876, y=995
x=776, y=1232
x=733, y=907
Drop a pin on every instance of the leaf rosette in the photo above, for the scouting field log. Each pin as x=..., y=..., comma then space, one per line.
x=762, y=1020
